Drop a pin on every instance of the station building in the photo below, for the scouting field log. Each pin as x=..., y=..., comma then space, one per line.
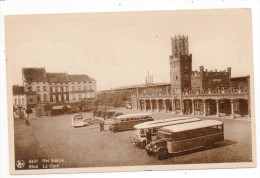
x=196, y=92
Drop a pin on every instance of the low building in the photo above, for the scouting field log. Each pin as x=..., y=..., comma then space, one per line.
x=19, y=97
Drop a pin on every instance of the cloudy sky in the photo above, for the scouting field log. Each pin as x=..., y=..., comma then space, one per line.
x=118, y=49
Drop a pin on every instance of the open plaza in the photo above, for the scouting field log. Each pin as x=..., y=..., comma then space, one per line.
x=52, y=142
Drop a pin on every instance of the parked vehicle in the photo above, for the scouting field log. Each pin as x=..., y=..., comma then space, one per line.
x=78, y=120
x=110, y=114
x=184, y=137
x=146, y=132
x=98, y=114
x=103, y=114
x=116, y=114
x=128, y=105
x=127, y=122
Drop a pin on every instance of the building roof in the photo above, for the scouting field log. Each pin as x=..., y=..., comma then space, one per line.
x=165, y=122
x=57, y=77
x=191, y=126
x=34, y=75
x=18, y=90
x=79, y=78
x=129, y=87
x=239, y=78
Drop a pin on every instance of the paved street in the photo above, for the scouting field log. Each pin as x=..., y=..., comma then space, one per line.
x=55, y=138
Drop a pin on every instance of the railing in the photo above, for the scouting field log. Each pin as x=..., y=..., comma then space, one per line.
x=159, y=94
x=214, y=92
x=194, y=93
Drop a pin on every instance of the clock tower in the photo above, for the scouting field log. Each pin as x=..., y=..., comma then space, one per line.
x=180, y=70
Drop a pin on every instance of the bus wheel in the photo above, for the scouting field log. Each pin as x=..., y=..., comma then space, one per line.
x=114, y=130
x=162, y=154
x=208, y=145
x=149, y=153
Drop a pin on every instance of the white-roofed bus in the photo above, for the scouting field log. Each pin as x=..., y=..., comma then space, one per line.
x=127, y=122
x=184, y=137
x=146, y=132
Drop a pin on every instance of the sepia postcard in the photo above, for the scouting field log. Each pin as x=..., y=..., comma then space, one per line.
x=130, y=91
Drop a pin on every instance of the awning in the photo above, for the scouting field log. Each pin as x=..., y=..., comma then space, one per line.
x=60, y=106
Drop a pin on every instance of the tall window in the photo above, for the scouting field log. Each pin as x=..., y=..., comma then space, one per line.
x=19, y=101
x=45, y=97
x=38, y=88
x=15, y=102
x=44, y=88
x=23, y=101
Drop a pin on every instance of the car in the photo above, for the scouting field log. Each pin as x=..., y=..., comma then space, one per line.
x=128, y=106
x=103, y=114
x=117, y=114
x=98, y=114
x=110, y=114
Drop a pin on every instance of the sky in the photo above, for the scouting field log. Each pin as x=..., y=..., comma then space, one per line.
x=117, y=49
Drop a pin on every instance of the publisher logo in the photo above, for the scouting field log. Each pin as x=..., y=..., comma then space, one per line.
x=20, y=164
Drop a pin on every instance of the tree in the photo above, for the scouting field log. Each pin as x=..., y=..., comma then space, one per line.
x=65, y=108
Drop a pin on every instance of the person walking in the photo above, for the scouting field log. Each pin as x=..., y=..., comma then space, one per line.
x=26, y=117
x=101, y=124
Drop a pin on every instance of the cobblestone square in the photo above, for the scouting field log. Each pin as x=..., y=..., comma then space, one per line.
x=54, y=138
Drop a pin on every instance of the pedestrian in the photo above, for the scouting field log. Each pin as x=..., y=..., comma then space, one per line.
x=26, y=117
x=101, y=125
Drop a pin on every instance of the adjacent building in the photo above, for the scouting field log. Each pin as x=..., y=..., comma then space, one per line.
x=42, y=88
x=19, y=98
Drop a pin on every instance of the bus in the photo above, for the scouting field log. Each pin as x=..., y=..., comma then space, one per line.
x=127, y=122
x=180, y=138
x=146, y=132
x=78, y=120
